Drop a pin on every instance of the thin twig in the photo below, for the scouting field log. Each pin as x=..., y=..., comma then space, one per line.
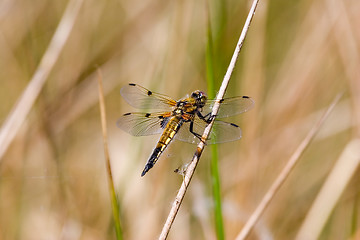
x=191, y=168
x=113, y=198
x=21, y=109
x=285, y=173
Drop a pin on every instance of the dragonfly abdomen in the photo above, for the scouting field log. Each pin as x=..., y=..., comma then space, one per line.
x=167, y=136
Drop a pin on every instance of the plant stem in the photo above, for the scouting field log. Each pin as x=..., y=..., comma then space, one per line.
x=214, y=166
x=200, y=147
x=113, y=197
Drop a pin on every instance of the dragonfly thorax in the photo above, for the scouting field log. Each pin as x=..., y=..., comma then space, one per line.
x=178, y=111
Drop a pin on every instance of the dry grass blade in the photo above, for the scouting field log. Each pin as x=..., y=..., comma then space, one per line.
x=27, y=99
x=191, y=168
x=284, y=173
x=331, y=191
x=114, y=203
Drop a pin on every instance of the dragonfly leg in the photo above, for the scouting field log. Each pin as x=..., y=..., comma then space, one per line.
x=192, y=130
x=208, y=116
x=195, y=134
x=211, y=117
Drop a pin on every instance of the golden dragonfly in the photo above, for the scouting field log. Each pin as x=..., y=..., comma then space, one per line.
x=184, y=120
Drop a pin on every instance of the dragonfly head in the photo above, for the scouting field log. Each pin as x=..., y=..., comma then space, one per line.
x=199, y=97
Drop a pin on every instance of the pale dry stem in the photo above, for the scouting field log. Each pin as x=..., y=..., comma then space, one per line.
x=190, y=170
x=285, y=173
x=104, y=127
x=113, y=198
x=21, y=109
x=331, y=191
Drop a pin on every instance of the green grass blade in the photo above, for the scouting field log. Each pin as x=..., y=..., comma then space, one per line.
x=354, y=218
x=215, y=182
x=116, y=214
x=215, y=179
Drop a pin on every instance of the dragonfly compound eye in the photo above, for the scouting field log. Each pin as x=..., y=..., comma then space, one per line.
x=198, y=95
x=195, y=95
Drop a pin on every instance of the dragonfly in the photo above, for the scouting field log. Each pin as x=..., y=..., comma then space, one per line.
x=184, y=120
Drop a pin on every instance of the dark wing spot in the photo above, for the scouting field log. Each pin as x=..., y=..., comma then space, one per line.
x=132, y=84
x=149, y=93
x=147, y=115
x=161, y=117
x=221, y=100
x=126, y=114
x=246, y=97
x=234, y=125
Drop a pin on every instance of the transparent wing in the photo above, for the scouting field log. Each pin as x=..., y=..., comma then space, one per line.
x=143, y=124
x=220, y=133
x=230, y=106
x=142, y=98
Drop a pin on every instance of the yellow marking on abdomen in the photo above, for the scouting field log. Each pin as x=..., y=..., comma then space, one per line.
x=170, y=130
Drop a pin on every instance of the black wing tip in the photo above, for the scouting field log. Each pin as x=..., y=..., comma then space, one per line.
x=132, y=84
x=234, y=125
x=126, y=114
x=251, y=104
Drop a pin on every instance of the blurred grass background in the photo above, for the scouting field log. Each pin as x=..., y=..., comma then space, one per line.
x=296, y=58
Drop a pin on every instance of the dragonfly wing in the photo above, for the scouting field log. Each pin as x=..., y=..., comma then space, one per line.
x=142, y=98
x=230, y=106
x=143, y=124
x=221, y=132
x=224, y=132
x=185, y=135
